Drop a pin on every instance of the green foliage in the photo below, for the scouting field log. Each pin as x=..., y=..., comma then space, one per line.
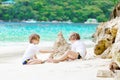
x=60, y=10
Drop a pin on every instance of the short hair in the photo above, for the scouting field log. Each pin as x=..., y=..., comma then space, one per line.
x=74, y=36
x=33, y=37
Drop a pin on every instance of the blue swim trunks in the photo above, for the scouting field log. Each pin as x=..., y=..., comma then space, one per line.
x=25, y=62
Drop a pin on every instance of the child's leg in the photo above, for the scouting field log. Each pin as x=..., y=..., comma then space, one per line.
x=35, y=61
x=35, y=57
x=68, y=55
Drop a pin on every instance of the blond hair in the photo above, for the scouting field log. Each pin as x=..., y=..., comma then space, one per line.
x=33, y=37
x=74, y=36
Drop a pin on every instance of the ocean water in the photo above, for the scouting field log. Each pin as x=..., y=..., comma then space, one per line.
x=19, y=32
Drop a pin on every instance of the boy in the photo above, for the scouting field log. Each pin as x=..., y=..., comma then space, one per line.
x=78, y=50
x=29, y=56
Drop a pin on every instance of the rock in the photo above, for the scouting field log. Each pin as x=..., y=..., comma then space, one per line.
x=105, y=74
x=116, y=11
x=115, y=51
x=107, y=39
x=60, y=45
x=106, y=54
x=117, y=75
x=107, y=43
x=104, y=37
x=100, y=47
x=114, y=66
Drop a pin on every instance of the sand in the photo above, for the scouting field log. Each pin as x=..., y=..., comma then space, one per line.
x=12, y=69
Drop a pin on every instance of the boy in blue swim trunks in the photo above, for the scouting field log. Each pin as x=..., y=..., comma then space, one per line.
x=29, y=56
x=78, y=50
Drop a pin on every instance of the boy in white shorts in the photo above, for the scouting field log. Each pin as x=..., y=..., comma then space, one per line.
x=29, y=56
x=78, y=50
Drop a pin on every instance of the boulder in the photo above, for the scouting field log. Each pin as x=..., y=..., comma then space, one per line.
x=105, y=74
x=107, y=40
x=117, y=75
x=107, y=43
x=116, y=12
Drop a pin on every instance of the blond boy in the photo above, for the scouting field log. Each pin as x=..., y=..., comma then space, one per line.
x=29, y=56
x=78, y=49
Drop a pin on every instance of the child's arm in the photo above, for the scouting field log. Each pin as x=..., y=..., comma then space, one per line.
x=46, y=51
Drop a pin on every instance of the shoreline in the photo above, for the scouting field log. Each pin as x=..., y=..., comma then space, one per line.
x=19, y=47
x=6, y=47
x=10, y=50
x=2, y=44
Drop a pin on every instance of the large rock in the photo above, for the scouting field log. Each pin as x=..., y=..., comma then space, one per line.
x=107, y=39
x=60, y=45
x=107, y=45
x=116, y=11
x=105, y=74
x=117, y=75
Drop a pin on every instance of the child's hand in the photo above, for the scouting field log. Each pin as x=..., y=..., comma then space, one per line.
x=55, y=51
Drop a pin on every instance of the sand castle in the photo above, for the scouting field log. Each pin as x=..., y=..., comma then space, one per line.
x=60, y=45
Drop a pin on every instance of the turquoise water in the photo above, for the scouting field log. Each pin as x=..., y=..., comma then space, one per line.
x=19, y=32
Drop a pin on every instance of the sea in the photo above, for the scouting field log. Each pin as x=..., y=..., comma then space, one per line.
x=20, y=31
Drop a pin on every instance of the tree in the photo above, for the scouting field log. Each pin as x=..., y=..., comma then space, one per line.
x=61, y=10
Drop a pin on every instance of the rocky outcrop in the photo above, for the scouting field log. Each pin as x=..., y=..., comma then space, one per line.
x=107, y=39
x=116, y=11
x=60, y=45
x=107, y=43
x=117, y=75
x=105, y=74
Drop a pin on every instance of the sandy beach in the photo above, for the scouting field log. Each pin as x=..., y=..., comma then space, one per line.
x=45, y=22
x=12, y=69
